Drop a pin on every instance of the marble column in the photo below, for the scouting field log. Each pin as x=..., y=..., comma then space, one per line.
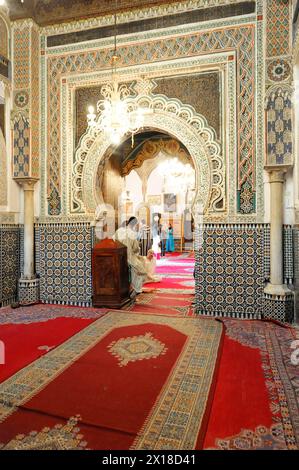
x=276, y=285
x=279, y=299
x=28, y=283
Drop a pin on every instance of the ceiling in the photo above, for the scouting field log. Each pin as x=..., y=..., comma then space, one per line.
x=46, y=12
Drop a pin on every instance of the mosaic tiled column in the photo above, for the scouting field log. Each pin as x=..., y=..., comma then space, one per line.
x=278, y=297
x=278, y=302
x=28, y=283
x=26, y=95
x=25, y=130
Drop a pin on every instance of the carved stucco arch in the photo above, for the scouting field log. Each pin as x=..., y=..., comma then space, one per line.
x=164, y=114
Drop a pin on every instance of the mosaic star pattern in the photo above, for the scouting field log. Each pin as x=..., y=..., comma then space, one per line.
x=63, y=263
x=21, y=144
x=229, y=271
x=9, y=263
x=279, y=128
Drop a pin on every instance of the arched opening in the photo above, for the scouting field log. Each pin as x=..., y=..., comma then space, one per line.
x=154, y=176
x=191, y=132
x=166, y=116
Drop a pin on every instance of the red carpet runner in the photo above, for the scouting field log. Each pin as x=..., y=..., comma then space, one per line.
x=175, y=293
x=156, y=395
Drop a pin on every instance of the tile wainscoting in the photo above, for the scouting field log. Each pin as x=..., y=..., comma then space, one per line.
x=10, y=254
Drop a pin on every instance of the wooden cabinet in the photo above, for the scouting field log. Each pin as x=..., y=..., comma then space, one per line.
x=110, y=274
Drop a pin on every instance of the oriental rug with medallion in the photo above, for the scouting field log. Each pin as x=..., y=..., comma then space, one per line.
x=32, y=331
x=256, y=401
x=127, y=380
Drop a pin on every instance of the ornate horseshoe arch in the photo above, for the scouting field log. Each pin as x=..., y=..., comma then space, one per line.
x=168, y=115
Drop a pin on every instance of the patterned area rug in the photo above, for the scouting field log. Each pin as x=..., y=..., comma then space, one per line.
x=44, y=312
x=163, y=303
x=157, y=394
x=256, y=402
x=31, y=332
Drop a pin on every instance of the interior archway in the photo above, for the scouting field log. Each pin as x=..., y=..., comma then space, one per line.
x=140, y=180
x=167, y=116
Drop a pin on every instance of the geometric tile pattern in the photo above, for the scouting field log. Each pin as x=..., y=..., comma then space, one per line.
x=240, y=39
x=229, y=271
x=21, y=57
x=266, y=252
x=63, y=263
x=279, y=128
x=21, y=250
x=28, y=291
x=280, y=310
x=21, y=149
x=21, y=99
x=278, y=27
x=26, y=59
x=9, y=263
x=279, y=70
x=288, y=255
x=279, y=110
x=34, y=108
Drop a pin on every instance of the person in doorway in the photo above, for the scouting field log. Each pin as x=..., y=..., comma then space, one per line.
x=163, y=236
x=144, y=237
x=128, y=237
x=156, y=240
x=170, y=239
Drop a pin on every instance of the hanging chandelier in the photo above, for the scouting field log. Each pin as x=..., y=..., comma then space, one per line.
x=117, y=114
x=177, y=174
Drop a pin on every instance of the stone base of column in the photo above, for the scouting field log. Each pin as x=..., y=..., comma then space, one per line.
x=28, y=291
x=279, y=307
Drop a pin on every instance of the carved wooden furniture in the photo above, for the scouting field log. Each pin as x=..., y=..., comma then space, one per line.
x=110, y=274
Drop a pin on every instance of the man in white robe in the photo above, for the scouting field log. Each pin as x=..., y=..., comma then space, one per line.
x=128, y=237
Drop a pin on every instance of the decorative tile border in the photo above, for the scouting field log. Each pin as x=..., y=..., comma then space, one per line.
x=288, y=252
x=9, y=263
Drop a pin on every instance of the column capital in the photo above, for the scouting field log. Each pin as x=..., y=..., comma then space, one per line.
x=277, y=175
x=26, y=183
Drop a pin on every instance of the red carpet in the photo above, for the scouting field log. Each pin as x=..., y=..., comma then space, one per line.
x=161, y=303
x=255, y=404
x=174, y=294
x=172, y=284
x=25, y=342
x=182, y=269
x=139, y=404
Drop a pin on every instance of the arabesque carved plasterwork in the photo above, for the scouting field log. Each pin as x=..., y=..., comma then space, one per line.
x=239, y=40
x=150, y=149
x=279, y=117
x=168, y=115
x=136, y=14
